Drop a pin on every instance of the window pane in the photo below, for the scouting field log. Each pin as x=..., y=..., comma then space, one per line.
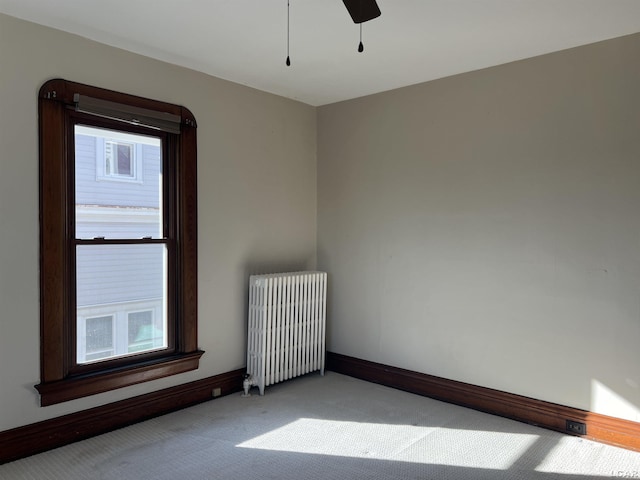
x=99, y=337
x=129, y=282
x=125, y=159
x=144, y=332
x=119, y=158
x=118, y=184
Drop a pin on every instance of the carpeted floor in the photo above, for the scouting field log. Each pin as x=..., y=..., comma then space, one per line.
x=331, y=427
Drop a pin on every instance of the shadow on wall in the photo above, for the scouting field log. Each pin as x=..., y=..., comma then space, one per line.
x=322, y=264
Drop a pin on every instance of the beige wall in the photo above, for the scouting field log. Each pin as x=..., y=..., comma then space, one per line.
x=256, y=194
x=486, y=228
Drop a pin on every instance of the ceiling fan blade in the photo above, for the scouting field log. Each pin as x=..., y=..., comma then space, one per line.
x=362, y=10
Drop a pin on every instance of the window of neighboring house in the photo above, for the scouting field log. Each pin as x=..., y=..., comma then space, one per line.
x=118, y=259
x=119, y=159
x=98, y=338
x=143, y=332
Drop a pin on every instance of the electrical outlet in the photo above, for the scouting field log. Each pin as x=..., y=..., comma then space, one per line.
x=577, y=428
x=216, y=392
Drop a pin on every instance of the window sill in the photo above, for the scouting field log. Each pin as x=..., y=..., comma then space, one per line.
x=71, y=388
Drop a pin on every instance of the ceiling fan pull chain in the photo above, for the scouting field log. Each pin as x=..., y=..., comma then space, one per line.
x=288, y=62
x=361, y=46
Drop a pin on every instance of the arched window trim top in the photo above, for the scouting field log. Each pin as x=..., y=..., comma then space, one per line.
x=67, y=92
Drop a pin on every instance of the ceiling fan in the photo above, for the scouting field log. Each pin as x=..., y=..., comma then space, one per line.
x=360, y=10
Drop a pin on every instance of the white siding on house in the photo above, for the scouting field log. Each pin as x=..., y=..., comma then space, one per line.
x=119, y=273
x=114, y=229
x=93, y=189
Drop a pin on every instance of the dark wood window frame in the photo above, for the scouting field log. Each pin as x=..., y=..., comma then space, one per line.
x=61, y=380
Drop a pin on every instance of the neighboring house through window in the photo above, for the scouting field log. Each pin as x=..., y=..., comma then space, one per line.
x=118, y=240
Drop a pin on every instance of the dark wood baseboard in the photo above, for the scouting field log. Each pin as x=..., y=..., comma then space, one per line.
x=38, y=437
x=601, y=428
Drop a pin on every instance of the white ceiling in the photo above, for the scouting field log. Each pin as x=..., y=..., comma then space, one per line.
x=413, y=41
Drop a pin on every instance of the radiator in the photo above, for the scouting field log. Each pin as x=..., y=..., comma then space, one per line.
x=286, y=326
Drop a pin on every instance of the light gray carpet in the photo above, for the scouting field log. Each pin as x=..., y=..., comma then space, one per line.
x=331, y=427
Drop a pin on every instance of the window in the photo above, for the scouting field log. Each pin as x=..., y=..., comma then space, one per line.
x=144, y=332
x=136, y=326
x=98, y=338
x=118, y=156
x=119, y=159
x=118, y=257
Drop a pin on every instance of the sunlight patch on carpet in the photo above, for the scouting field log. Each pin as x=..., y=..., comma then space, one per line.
x=414, y=443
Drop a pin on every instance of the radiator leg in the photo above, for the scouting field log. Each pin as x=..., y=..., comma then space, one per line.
x=246, y=385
